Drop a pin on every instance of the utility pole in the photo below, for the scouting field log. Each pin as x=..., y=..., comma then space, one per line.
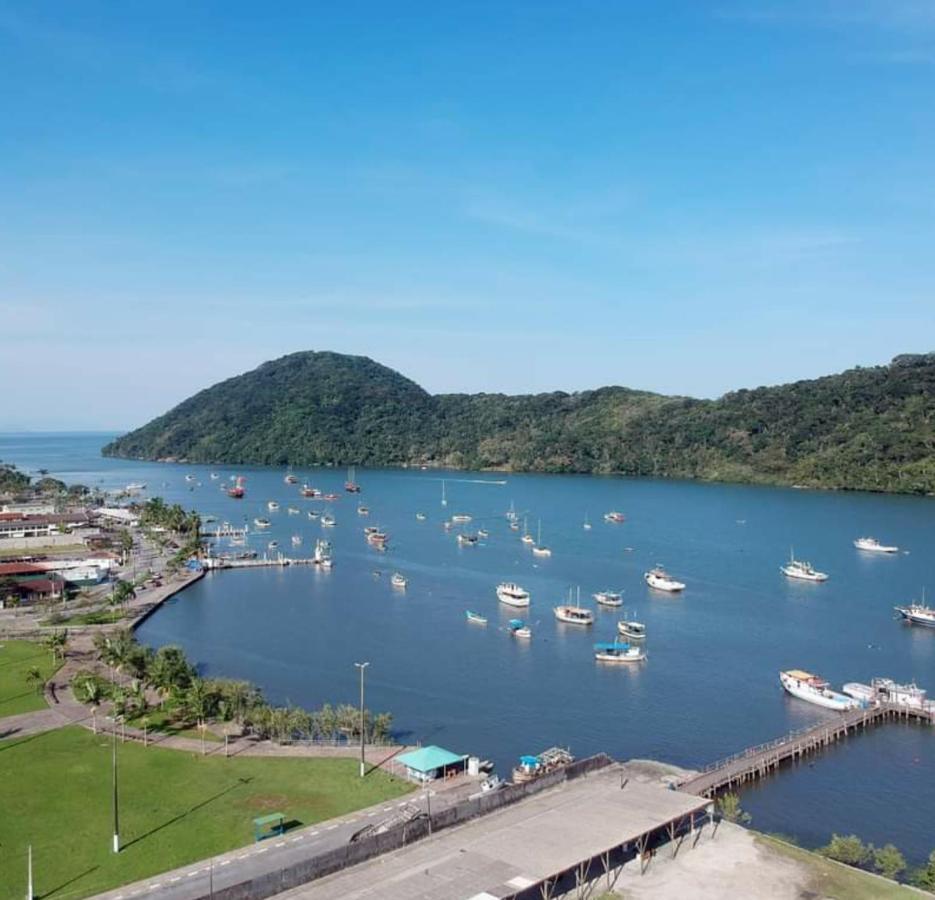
x=29, y=892
x=114, y=767
x=363, y=766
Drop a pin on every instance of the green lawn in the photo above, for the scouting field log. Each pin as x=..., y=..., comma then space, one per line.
x=16, y=657
x=175, y=807
x=840, y=882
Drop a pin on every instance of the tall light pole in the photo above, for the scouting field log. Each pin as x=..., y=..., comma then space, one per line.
x=363, y=766
x=114, y=766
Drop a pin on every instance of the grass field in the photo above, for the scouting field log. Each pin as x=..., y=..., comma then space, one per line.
x=16, y=658
x=175, y=807
x=840, y=882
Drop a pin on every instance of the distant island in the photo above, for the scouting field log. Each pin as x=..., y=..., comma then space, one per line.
x=867, y=429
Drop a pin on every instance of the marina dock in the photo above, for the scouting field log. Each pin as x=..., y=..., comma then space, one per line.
x=221, y=562
x=756, y=762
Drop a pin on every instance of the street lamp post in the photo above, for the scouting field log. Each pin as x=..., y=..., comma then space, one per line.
x=362, y=666
x=114, y=767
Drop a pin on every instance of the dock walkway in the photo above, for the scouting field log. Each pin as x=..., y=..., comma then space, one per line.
x=755, y=762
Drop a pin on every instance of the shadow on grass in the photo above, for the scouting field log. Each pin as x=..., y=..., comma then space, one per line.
x=291, y=824
x=25, y=740
x=65, y=884
x=239, y=783
x=30, y=693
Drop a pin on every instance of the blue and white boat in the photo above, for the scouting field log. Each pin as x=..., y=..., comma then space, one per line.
x=519, y=629
x=617, y=652
x=475, y=618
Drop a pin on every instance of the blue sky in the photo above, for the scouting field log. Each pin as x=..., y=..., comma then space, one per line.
x=682, y=197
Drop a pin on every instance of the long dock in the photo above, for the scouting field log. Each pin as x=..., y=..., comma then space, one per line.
x=217, y=562
x=756, y=762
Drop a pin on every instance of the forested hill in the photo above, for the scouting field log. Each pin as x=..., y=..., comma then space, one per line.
x=865, y=429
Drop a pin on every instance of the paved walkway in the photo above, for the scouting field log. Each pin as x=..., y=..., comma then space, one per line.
x=29, y=723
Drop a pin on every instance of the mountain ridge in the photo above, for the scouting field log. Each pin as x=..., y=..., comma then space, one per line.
x=867, y=428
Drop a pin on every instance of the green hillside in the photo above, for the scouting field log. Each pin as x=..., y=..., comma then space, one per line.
x=864, y=429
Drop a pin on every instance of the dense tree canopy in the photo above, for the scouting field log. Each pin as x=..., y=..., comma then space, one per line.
x=866, y=429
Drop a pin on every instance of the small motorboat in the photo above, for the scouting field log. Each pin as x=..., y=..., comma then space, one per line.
x=519, y=629
x=420, y=517
x=293, y=511
x=632, y=630
x=215, y=476
x=660, y=580
x=872, y=545
x=312, y=514
x=398, y=580
x=483, y=534
x=273, y=545
x=616, y=517
x=296, y=540
x=460, y=518
x=475, y=618
x=608, y=598
x=272, y=506
x=467, y=540
x=262, y=523
x=327, y=521
x=618, y=653
x=363, y=510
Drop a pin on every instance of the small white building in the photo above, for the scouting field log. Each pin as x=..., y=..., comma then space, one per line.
x=29, y=508
x=118, y=515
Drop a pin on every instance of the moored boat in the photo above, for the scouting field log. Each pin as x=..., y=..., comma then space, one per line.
x=272, y=506
x=614, y=516
x=290, y=478
x=328, y=521
x=519, y=629
x=872, y=545
x=483, y=533
x=801, y=570
x=618, y=652
x=420, y=517
x=363, y=510
x=237, y=491
x=460, y=517
x=660, y=580
x=398, y=580
x=351, y=485
x=608, y=598
x=273, y=545
x=512, y=594
x=475, y=618
x=467, y=540
x=323, y=554
x=539, y=549
x=293, y=510
x=814, y=689
x=312, y=514
x=574, y=615
x=631, y=629
x=262, y=523
x=918, y=613
x=296, y=540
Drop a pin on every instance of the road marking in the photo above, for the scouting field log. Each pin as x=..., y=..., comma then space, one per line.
x=401, y=805
x=262, y=850
x=371, y=814
x=387, y=809
x=190, y=874
x=280, y=844
x=296, y=838
x=225, y=862
x=242, y=856
x=331, y=828
x=312, y=833
x=153, y=887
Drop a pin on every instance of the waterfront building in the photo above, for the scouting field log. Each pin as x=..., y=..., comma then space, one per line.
x=428, y=763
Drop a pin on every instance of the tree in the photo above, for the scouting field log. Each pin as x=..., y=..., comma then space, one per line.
x=34, y=678
x=57, y=642
x=169, y=672
x=925, y=877
x=888, y=861
x=848, y=849
x=728, y=805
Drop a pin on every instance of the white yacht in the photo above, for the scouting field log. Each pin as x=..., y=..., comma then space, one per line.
x=322, y=555
x=512, y=594
x=327, y=521
x=296, y=540
x=527, y=538
x=398, y=580
x=608, y=598
x=574, y=615
x=272, y=506
x=460, y=517
x=632, y=630
x=802, y=571
x=872, y=545
x=660, y=580
x=539, y=549
x=815, y=690
x=261, y=523
x=918, y=613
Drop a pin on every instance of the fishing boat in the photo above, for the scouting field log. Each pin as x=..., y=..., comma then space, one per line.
x=272, y=506
x=918, y=613
x=312, y=514
x=327, y=521
x=296, y=540
x=800, y=570
x=660, y=580
x=363, y=510
x=587, y=524
x=614, y=516
x=532, y=767
x=608, y=598
x=375, y=536
x=262, y=523
x=527, y=538
x=519, y=629
x=483, y=533
x=331, y=497
x=398, y=580
x=309, y=492
x=872, y=545
x=634, y=631
x=467, y=540
x=293, y=511
x=351, y=485
x=574, y=615
x=420, y=517
x=290, y=478
x=461, y=518
x=814, y=689
x=512, y=594
x=475, y=618
x=237, y=491
x=323, y=554
x=617, y=652
x=539, y=549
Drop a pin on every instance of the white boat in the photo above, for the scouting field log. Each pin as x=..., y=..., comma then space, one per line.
x=273, y=545
x=296, y=540
x=608, y=598
x=272, y=506
x=261, y=523
x=527, y=538
x=460, y=517
x=614, y=516
x=312, y=514
x=910, y=695
x=322, y=556
x=420, y=517
x=918, y=613
x=444, y=496
x=215, y=476
x=363, y=510
x=815, y=690
x=618, y=653
x=135, y=487
x=801, y=571
x=872, y=545
x=475, y=618
x=539, y=549
x=519, y=629
x=189, y=477
x=327, y=521
x=660, y=580
x=574, y=615
x=398, y=580
x=467, y=540
x=293, y=511
x=290, y=478
x=634, y=631
x=512, y=594
x=587, y=524
x=483, y=533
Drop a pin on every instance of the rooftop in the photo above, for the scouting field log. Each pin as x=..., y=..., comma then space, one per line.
x=427, y=759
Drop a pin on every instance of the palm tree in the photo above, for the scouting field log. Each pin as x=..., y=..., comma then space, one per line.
x=197, y=705
x=34, y=678
x=57, y=642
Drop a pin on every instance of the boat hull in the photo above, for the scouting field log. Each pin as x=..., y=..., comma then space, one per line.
x=825, y=698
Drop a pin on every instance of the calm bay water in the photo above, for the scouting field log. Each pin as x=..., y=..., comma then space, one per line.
x=709, y=687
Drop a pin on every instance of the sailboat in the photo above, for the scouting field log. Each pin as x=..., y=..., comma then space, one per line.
x=351, y=485
x=587, y=524
x=538, y=549
x=444, y=498
x=527, y=537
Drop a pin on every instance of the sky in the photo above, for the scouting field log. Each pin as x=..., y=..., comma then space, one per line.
x=685, y=197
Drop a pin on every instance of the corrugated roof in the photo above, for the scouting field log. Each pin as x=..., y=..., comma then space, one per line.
x=426, y=759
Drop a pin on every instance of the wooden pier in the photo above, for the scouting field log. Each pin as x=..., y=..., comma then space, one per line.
x=756, y=762
x=219, y=562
